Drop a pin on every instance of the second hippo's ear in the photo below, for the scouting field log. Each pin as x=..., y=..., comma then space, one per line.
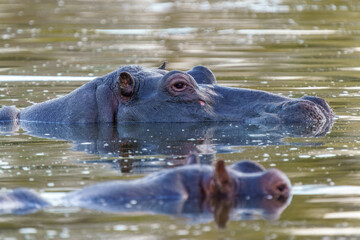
x=222, y=184
x=126, y=86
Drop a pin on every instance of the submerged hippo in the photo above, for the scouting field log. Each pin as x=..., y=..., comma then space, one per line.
x=178, y=191
x=139, y=94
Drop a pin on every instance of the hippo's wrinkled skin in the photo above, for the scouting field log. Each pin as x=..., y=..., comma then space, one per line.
x=139, y=94
x=175, y=191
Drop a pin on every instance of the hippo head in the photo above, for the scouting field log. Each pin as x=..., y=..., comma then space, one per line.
x=246, y=185
x=247, y=179
x=158, y=95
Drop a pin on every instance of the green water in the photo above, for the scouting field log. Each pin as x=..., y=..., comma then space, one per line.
x=289, y=47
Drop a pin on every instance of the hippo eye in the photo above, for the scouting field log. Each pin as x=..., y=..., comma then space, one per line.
x=179, y=86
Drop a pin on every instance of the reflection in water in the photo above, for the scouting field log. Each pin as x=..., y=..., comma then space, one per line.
x=220, y=210
x=138, y=145
x=314, y=51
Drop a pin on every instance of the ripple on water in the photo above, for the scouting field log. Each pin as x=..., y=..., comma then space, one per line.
x=325, y=190
x=19, y=78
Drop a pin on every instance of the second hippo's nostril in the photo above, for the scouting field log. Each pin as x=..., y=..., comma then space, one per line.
x=276, y=184
x=282, y=192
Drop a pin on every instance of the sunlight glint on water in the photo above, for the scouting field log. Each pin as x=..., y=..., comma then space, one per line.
x=292, y=48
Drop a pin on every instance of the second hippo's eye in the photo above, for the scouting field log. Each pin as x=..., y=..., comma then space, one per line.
x=179, y=86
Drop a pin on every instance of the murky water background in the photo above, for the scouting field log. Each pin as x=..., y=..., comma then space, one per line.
x=289, y=47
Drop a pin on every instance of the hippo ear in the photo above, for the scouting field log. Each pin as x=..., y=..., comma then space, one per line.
x=221, y=183
x=126, y=86
x=202, y=75
x=247, y=167
x=163, y=66
x=192, y=159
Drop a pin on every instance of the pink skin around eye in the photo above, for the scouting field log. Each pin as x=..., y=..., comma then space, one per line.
x=201, y=102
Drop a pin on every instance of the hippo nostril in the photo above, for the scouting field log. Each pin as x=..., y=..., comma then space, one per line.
x=281, y=192
x=276, y=183
x=281, y=187
x=282, y=198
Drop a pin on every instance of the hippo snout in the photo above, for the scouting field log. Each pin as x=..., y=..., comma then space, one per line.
x=275, y=183
x=305, y=111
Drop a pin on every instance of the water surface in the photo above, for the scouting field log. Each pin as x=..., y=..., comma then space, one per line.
x=293, y=48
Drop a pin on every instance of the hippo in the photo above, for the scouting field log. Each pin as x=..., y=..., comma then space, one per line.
x=177, y=191
x=140, y=94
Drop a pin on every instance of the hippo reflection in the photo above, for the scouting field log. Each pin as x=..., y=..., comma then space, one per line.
x=137, y=146
x=195, y=191
x=139, y=94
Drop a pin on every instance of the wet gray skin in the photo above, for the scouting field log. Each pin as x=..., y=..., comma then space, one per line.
x=184, y=191
x=139, y=94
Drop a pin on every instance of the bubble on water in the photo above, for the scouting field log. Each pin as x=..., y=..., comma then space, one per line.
x=6, y=37
x=182, y=232
x=61, y=3
x=120, y=227
x=27, y=231
x=155, y=226
x=134, y=228
x=206, y=229
x=172, y=227
x=51, y=233
x=329, y=155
